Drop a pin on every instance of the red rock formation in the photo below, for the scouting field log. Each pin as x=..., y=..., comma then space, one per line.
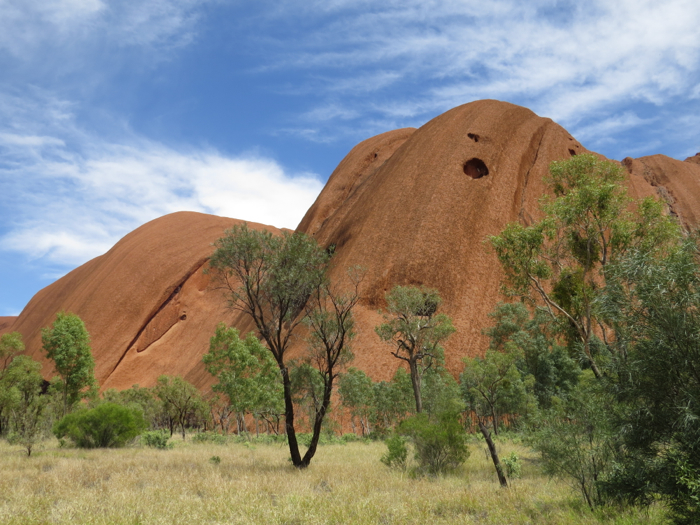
x=676, y=182
x=695, y=159
x=147, y=305
x=422, y=216
x=6, y=324
x=411, y=206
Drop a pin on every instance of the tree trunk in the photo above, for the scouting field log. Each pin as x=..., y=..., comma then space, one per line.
x=289, y=419
x=318, y=421
x=415, y=381
x=494, y=455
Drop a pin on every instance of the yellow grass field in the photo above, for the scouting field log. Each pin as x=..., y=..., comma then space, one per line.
x=256, y=484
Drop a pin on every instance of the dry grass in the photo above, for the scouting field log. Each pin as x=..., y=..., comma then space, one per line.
x=344, y=484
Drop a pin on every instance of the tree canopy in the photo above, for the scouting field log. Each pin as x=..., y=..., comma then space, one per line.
x=67, y=343
x=416, y=331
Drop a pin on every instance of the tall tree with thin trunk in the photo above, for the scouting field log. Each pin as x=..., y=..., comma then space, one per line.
x=416, y=331
x=492, y=386
x=280, y=282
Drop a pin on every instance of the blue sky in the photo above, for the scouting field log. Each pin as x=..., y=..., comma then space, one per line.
x=113, y=113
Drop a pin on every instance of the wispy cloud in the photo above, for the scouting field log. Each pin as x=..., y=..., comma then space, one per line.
x=71, y=195
x=564, y=61
x=27, y=26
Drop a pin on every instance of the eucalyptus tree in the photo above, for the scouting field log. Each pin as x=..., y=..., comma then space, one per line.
x=67, y=343
x=416, y=331
x=246, y=373
x=280, y=282
x=561, y=262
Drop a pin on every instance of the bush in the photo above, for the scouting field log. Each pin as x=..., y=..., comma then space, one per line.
x=397, y=454
x=209, y=437
x=156, y=439
x=440, y=447
x=513, y=465
x=107, y=425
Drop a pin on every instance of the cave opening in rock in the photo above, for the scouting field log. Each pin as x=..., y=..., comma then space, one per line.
x=475, y=168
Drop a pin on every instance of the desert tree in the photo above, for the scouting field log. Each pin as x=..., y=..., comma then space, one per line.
x=21, y=394
x=329, y=317
x=561, y=261
x=182, y=402
x=11, y=345
x=416, y=331
x=493, y=386
x=67, y=343
x=246, y=373
x=655, y=304
x=280, y=282
x=356, y=392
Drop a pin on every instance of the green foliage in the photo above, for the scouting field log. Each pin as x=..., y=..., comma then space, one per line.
x=416, y=331
x=107, y=425
x=397, y=453
x=440, y=392
x=514, y=468
x=21, y=399
x=561, y=260
x=246, y=373
x=181, y=401
x=440, y=446
x=356, y=392
x=533, y=340
x=210, y=437
x=280, y=281
x=138, y=397
x=576, y=439
x=67, y=344
x=493, y=386
x=11, y=344
x=655, y=304
x=270, y=277
x=156, y=439
x=393, y=401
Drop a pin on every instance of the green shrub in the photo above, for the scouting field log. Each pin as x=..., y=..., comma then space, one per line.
x=107, y=425
x=513, y=465
x=156, y=439
x=397, y=454
x=210, y=437
x=440, y=446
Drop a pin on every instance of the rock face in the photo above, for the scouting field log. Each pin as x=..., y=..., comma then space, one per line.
x=411, y=206
x=146, y=303
x=422, y=215
x=676, y=182
x=6, y=324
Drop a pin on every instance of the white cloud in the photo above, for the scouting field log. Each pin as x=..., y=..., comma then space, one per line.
x=562, y=59
x=72, y=196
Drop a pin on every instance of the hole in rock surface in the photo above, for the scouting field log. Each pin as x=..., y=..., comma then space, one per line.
x=473, y=136
x=475, y=168
x=572, y=152
x=183, y=317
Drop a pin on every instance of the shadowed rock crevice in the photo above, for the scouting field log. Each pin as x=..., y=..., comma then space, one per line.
x=538, y=137
x=164, y=318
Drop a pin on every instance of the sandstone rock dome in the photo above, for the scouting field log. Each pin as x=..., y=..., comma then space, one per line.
x=413, y=206
x=146, y=303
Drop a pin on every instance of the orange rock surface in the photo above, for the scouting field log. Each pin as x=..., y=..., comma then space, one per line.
x=6, y=324
x=412, y=206
x=146, y=303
